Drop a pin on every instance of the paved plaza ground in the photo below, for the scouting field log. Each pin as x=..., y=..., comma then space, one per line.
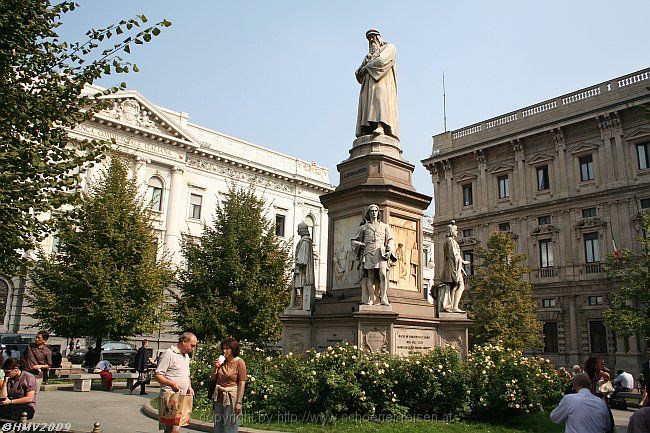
x=119, y=412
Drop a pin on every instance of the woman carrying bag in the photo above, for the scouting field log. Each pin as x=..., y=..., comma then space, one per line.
x=229, y=374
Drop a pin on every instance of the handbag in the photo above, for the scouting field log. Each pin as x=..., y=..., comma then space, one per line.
x=175, y=409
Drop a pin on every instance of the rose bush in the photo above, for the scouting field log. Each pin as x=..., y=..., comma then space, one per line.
x=345, y=380
x=504, y=382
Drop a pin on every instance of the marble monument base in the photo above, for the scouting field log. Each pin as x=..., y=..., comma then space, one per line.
x=376, y=328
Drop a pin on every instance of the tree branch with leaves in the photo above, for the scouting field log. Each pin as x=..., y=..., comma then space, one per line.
x=43, y=82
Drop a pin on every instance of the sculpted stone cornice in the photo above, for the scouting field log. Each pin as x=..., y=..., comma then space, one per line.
x=593, y=222
x=468, y=242
x=546, y=229
x=235, y=171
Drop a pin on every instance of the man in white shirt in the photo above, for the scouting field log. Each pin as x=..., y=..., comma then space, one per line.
x=173, y=370
x=622, y=382
x=582, y=412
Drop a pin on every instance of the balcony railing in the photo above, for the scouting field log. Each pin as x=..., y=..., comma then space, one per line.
x=593, y=268
x=547, y=272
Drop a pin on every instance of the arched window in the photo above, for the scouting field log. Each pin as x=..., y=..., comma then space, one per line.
x=155, y=193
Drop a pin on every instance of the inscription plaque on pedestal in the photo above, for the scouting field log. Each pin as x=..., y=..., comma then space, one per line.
x=412, y=340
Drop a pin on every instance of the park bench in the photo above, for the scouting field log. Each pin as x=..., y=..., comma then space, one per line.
x=130, y=378
x=621, y=400
x=82, y=381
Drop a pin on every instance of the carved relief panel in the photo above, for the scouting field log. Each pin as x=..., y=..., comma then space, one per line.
x=403, y=274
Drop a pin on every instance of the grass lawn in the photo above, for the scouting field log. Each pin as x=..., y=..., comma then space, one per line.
x=533, y=423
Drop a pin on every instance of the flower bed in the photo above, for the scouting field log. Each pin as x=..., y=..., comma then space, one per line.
x=344, y=380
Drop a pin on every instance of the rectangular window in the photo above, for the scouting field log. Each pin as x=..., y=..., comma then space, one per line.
x=468, y=233
x=545, y=253
x=590, y=212
x=504, y=227
x=504, y=190
x=548, y=303
x=543, y=182
x=642, y=153
x=550, y=337
x=195, y=206
x=586, y=167
x=154, y=198
x=543, y=220
x=279, y=225
x=595, y=300
x=468, y=256
x=597, y=336
x=592, y=248
x=645, y=203
x=468, y=199
x=55, y=243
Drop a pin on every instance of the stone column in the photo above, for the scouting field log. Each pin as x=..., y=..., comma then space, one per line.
x=175, y=212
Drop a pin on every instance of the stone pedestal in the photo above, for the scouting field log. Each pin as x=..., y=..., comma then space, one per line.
x=375, y=173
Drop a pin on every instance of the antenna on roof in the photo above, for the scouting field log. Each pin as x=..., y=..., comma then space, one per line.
x=444, y=100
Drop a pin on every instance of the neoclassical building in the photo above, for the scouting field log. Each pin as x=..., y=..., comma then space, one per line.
x=567, y=178
x=184, y=170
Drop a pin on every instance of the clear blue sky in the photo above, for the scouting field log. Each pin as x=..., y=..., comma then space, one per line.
x=281, y=73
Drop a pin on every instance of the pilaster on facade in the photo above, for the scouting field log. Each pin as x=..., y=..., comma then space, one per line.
x=482, y=185
x=520, y=193
x=174, y=226
x=561, y=175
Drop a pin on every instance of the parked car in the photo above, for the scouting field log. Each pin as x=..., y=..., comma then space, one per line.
x=115, y=352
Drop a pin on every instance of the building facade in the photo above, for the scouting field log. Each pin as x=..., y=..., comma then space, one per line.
x=567, y=179
x=184, y=170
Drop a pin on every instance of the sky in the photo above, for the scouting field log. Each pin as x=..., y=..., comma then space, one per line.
x=280, y=74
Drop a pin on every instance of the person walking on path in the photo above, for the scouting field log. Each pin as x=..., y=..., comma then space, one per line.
x=582, y=412
x=37, y=357
x=229, y=373
x=173, y=371
x=141, y=365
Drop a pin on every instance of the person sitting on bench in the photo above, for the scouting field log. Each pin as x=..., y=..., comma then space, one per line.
x=622, y=382
x=21, y=391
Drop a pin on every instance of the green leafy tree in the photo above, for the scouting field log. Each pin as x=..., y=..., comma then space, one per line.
x=106, y=279
x=237, y=275
x=41, y=83
x=503, y=309
x=629, y=301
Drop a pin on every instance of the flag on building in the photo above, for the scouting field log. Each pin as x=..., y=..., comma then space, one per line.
x=617, y=253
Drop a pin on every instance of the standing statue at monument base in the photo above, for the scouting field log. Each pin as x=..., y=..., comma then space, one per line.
x=453, y=272
x=374, y=241
x=377, y=113
x=303, y=285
